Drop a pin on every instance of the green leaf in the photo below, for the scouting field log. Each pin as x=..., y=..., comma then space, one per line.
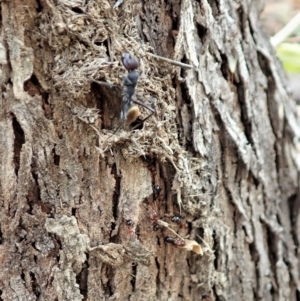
x=289, y=54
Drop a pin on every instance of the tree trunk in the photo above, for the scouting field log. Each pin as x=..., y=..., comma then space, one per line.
x=217, y=165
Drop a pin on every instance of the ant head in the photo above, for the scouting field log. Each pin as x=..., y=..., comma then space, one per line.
x=156, y=227
x=129, y=222
x=157, y=189
x=176, y=219
x=169, y=240
x=129, y=61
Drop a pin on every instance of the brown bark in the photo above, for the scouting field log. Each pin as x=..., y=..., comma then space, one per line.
x=221, y=150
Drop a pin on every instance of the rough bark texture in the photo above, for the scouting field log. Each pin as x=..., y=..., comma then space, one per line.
x=220, y=150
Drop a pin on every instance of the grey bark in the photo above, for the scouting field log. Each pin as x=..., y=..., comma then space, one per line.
x=221, y=151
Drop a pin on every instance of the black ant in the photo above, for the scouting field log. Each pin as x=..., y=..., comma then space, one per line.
x=177, y=219
x=157, y=189
x=130, y=225
x=129, y=109
x=179, y=243
x=157, y=195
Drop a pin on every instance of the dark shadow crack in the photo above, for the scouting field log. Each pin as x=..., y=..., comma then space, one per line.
x=18, y=142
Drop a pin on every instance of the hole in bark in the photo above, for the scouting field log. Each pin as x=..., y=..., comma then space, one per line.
x=202, y=31
x=138, y=231
x=56, y=158
x=39, y=6
x=58, y=245
x=200, y=232
x=34, y=284
x=132, y=281
x=265, y=69
x=108, y=287
x=224, y=66
x=297, y=295
x=100, y=211
x=189, y=262
x=175, y=25
x=271, y=238
x=109, y=103
x=113, y=227
x=185, y=94
x=82, y=278
x=1, y=236
x=77, y=10
x=107, y=46
x=30, y=204
x=183, y=72
x=272, y=251
x=150, y=161
x=185, y=114
x=18, y=142
x=23, y=275
x=1, y=295
x=243, y=21
x=244, y=118
x=158, y=283
x=33, y=87
x=116, y=193
x=253, y=252
x=74, y=211
x=216, y=248
x=294, y=205
x=273, y=291
x=34, y=194
x=271, y=99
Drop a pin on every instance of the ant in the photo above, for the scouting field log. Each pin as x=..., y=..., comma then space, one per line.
x=130, y=225
x=206, y=297
x=154, y=217
x=178, y=219
x=129, y=109
x=157, y=190
x=179, y=243
x=157, y=193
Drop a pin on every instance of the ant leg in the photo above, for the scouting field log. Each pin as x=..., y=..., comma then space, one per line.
x=132, y=114
x=121, y=124
x=148, y=108
x=145, y=106
x=129, y=113
x=142, y=121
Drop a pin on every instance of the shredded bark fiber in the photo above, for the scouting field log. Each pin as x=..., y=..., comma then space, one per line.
x=84, y=56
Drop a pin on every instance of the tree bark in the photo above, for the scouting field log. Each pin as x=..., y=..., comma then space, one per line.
x=79, y=205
